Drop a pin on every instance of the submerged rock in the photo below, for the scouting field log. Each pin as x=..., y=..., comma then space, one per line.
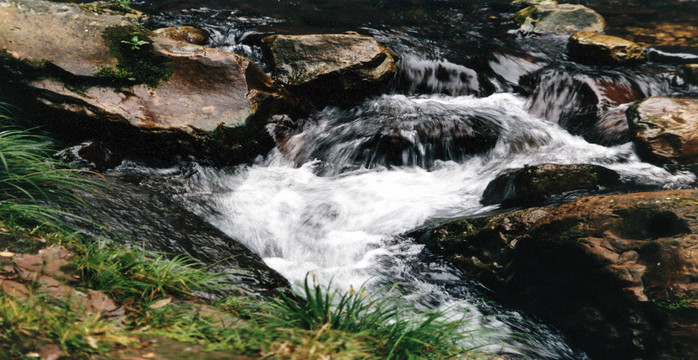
x=665, y=130
x=187, y=34
x=591, y=104
x=159, y=96
x=548, y=17
x=595, y=48
x=333, y=68
x=535, y=185
x=620, y=268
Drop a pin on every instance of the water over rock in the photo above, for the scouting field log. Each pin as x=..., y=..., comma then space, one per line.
x=620, y=268
x=595, y=48
x=133, y=215
x=665, y=130
x=111, y=78
x=331, y=68
x=549, y=17
x=591, y=104
x=535, y=185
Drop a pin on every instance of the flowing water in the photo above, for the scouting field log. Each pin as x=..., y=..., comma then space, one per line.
x=466, y=105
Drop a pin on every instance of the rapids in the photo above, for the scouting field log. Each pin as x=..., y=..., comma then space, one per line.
x=336, y=203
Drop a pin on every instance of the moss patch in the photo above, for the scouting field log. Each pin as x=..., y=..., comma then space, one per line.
x=138, y=63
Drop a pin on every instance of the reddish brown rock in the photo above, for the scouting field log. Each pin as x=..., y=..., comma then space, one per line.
x=50, y=261
x=187, y=99
x=665, y=130
x=622, y=268
x=14, y=289
x=187, y=34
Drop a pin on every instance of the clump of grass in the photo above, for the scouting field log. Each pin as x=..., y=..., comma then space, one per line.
x=30, y=180
x=399, y=330
x=135, y=276
x=29, y=323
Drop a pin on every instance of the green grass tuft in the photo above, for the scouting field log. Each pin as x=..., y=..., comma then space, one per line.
x=31, y=181
x=135, y=276
x=26, y=324
x=400, y=331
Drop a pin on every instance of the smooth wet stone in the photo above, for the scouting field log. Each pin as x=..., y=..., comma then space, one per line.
x=534, y=185
x=622, y=268
x=665, y=130
x=334, y=67
x=559, y=18
x=595, y=48
x=187, y=34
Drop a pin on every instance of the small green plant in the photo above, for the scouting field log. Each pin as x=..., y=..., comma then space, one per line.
x=135, y=42
x=138, y=63
x=123, y=5
x=676, y=302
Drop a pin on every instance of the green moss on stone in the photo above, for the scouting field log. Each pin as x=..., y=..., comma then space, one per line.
x=136, y=66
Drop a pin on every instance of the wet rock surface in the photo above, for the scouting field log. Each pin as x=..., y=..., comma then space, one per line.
x=550, y=17
x=595, y=48
x=620, y=268
x=535, y=185
x=135, y=213
x=338, y=66
x=665, y=129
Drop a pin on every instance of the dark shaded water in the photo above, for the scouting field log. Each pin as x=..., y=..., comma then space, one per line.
x=352, y=180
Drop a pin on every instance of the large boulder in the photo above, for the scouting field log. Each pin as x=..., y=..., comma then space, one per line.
x=595, y=48
x=618, y=274
x=665, y=130
x=537, y=184
x=122, y=81
x=334, y=68
x=549, y=17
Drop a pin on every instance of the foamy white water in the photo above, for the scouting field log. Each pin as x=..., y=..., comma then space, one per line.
x=343, y=228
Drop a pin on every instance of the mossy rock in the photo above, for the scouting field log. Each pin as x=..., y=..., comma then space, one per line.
x=559, y=19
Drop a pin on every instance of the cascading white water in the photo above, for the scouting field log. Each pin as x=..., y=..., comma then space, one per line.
x=345, y=228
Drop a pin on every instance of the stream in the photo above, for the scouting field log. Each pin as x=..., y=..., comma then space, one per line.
x=335, y=205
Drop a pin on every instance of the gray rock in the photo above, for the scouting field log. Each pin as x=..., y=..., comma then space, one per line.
x=559, y=19
x=331, y=65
